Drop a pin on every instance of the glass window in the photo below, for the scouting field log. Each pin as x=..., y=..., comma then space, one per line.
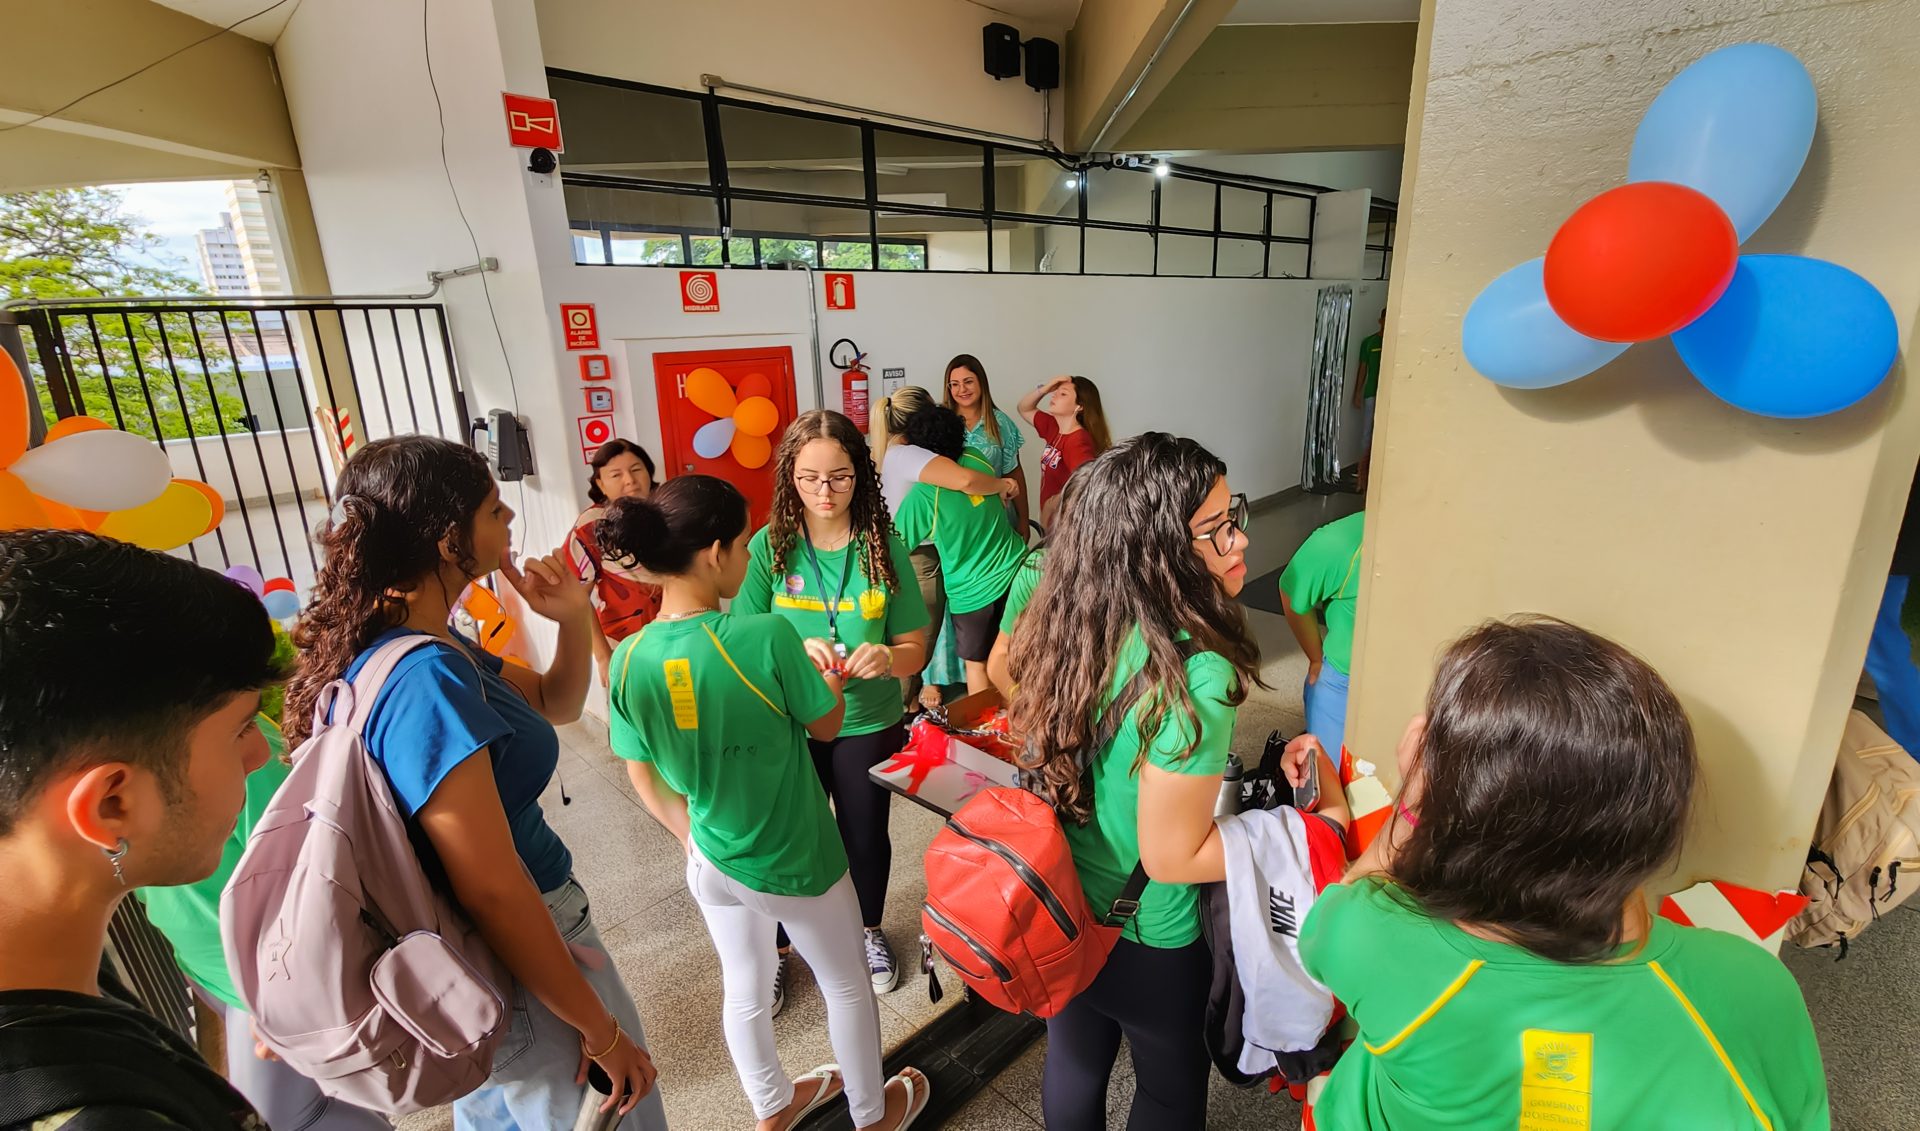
x=1123, y=196
x=588, y=247
x=1024, y=248
x=795, y=224
x=846, y=255
x=640, y=210
x=959, y=248
x=706, y=251
x=777, y=249
x=1186, y=204
x=928, y=171
x=792, y=153
x=647, y=248
x=1292, y=215
x=1242, y=210
x=1111, y=252
x=616, y=131
x=1185, y=255
x=1034, y=183
x=903, y=256
x=1374, y=265
x=1287, y=261
x=1241, y=259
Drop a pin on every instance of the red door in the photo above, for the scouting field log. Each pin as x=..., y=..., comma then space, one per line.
x=722, y=413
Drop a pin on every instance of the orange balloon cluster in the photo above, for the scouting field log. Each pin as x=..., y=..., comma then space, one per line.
x=88, y=475
x=744, y=417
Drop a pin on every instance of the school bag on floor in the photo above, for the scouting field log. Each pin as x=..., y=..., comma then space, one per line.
x=359, y=974
x=1865, y=856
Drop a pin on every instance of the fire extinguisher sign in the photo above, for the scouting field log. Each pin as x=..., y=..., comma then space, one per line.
x=839, y=290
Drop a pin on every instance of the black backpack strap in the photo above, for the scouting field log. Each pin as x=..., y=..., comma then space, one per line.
x=1127, y=904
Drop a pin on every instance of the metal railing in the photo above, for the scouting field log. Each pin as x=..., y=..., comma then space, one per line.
x=261, y=399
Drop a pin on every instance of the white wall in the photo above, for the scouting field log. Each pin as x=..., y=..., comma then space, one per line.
x=913, y=57
x=1377, y=169
x=242, y=482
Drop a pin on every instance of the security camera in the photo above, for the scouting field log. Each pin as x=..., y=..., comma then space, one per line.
x=542, y=161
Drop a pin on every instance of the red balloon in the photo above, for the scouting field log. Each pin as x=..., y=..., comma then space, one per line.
x=1640, y=261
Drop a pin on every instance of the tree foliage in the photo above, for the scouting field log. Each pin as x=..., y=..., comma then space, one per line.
x=82, y=243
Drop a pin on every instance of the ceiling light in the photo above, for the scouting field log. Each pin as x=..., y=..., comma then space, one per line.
x=1162, y=169
x=1073, y=180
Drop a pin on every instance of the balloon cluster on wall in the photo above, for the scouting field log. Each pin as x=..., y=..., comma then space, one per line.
x=1777, y=335
x=277, y=594
x=88, y=475
x=745, y=417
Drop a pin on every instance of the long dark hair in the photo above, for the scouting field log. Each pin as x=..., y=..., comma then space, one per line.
x=1121, y=557
x=972, y=365
x=867, y=508
x=1093, y=416
x=664, y=531
x=610, y=451
x=397, y=500
x=1556, y=777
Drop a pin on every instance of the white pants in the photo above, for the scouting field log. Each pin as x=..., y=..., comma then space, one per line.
x=826, y=931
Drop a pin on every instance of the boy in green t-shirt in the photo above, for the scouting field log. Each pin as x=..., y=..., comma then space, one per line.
x=1323, y=578
x=1366, y=386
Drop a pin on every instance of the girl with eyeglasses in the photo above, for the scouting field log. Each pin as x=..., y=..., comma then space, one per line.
x=829, y=563
x=1135, y=615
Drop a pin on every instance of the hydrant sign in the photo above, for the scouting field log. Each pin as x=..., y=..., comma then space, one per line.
x=839, y=290
x=583, y=332
x=700, y=292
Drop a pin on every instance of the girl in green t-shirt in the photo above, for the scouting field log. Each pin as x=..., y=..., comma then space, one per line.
x=713, y=712
x=1132, y=645
x=1495, y=944
x=830, y=565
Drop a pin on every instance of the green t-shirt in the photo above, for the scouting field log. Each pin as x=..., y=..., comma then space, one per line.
x=189, y=915
x=719, y=704
x=1107, y=848
x=867, y=614
x=1520, y=1041
x=1020, y=593
x=1325, y=575
x=979, y=551
x=1370, y=357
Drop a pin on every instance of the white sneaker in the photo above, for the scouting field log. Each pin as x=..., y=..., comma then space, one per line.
x=880, y=963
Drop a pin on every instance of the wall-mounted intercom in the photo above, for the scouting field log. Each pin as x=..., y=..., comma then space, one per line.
x=509, y=450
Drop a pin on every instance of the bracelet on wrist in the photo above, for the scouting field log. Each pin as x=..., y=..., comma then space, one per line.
x=611, y=1045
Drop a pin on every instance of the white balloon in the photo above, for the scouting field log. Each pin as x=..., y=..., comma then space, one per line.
x=101, y=470
x=713, y=438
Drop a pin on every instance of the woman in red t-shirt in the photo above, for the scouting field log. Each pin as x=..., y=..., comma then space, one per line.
x=1074, y=427
x=623, y=603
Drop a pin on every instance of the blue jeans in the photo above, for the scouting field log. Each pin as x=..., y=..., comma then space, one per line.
x=1327, y=710
x=1890, y=663
x=532, y=1086
x=286, y=1100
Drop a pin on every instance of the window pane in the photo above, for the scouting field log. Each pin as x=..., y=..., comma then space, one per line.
x=1287, y=261
x=1034, y=183
x=791, y=153
x=1292, y=215
x=846, y=255
x=958, y=249
x=791, y=230
x=706, y=251
x=1242, y=210
x=1119, y=253
x=1241, y=259
x=638, y=210
x=646, y=248
x=635, y=133
x=1035, y=249
x=938, y=172
x=777, y=250
x=1121, y=195
x=1186, y=204
x=1185, y=255
x=903, y=257
x=1374, y=266
x=587, y=247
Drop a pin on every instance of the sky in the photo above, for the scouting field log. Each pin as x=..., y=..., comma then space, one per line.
x=176, y=211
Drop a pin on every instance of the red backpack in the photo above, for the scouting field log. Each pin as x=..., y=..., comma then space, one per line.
x=1005, y=909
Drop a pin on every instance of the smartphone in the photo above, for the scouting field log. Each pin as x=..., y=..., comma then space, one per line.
x=1305, y=797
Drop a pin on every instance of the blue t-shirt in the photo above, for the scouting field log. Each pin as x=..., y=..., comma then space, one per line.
x=445, y=702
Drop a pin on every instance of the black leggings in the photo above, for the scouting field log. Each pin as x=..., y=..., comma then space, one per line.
x=860, y=809
x=1157, y=999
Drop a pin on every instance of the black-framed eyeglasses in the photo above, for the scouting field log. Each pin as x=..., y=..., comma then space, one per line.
x=1231, y=531
x=811, y=484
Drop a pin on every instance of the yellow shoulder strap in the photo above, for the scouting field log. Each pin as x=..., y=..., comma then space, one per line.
x=722, y=649
x=1426, y=1014
x=1713, y=1042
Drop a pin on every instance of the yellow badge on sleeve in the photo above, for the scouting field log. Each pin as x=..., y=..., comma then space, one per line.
x=1556, y=1081
x=686, y=711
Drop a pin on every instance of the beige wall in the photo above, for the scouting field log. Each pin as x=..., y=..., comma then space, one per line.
x=214, y=110
x=1744, y=557
x=1278, y=87
x=1110, y=46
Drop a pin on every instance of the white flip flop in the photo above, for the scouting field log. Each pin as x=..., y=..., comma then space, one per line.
x=917, y=1100
x=835, y=1087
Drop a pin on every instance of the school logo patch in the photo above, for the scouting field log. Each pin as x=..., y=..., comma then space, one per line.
x=873, y=604
x=686, y=710
x=1556, y=1081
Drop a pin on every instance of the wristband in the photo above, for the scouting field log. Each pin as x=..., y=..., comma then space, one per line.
x=611, y=1045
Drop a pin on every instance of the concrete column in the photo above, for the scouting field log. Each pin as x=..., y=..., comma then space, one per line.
x=1743, y=557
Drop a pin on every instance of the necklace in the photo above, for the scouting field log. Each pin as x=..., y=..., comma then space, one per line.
x=688, y=614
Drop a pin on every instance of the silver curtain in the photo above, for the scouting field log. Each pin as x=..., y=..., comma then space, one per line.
x=1320, y=456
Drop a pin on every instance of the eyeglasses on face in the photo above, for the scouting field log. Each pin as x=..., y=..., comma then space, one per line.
x=1231, y=531
x=811, y=484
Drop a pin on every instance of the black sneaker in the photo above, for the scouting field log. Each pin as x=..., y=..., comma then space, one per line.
x=780, y=983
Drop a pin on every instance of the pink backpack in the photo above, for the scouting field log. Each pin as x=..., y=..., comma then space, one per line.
x=358, y=973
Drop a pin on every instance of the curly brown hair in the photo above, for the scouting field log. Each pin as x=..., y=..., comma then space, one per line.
x=1121, y=558
x=397, y=500
x=872, y=524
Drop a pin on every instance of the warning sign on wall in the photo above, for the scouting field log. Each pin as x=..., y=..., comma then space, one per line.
x=583, y=332
x=532, y=123
x=595, y=431
x=839, y=290
x=700, y=292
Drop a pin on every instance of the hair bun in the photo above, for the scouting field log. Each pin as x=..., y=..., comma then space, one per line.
x=632, y=528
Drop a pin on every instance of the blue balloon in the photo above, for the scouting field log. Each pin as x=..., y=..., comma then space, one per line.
x=1513, y=337
x=1735, y=126
x=1793, y=337
x=713, y=438
x=281, y=604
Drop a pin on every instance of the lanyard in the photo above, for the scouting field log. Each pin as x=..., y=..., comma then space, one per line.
x=831, y=601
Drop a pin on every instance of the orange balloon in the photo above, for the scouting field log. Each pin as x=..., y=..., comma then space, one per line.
x=73, y=425
x=710, y=392
x=20, y=508
x=756, y=416
x=14, y=424
x=754, y=385
x=751, y=451
x=214, y=501
x=169, y=522
x=60, y=516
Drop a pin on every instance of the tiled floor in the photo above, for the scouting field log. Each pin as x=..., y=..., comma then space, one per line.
x=1867, y=1009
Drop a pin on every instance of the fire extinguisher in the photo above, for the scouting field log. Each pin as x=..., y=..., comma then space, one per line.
x=855, y=400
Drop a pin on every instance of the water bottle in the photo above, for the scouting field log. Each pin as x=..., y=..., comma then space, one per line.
x=1230, y=787
x=599, y=1087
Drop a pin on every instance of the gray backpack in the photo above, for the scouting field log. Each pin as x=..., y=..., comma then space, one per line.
x=1865, y=855
x=358, y=973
